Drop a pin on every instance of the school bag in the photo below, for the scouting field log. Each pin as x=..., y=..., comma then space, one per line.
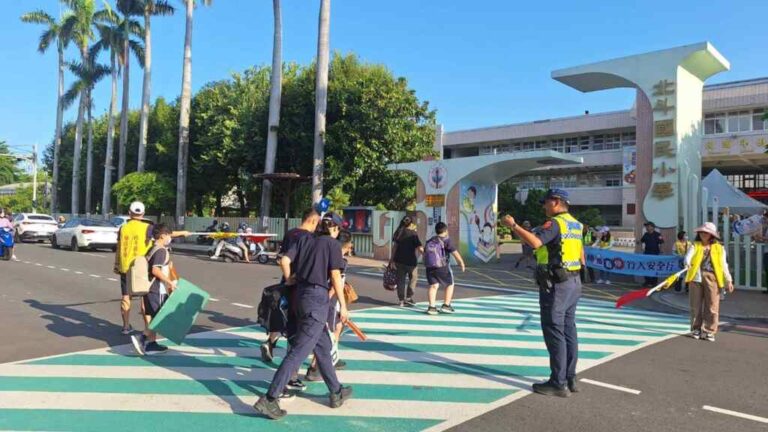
x=390, y=278
x=137, y=277
x=434, y=253
x=273, y=301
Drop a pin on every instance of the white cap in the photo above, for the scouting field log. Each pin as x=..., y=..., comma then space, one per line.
x=137, y=208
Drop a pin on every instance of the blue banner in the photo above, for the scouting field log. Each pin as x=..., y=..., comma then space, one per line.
x=631, y=263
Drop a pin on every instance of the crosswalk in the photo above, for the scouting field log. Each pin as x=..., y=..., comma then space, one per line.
x=416, y=372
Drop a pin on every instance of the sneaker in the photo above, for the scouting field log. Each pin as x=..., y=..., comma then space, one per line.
x=153, y=348
x=696, y=334
x=269, y=408
x=341, y=364
x=266, y=352
x=549, y=389
x=709, y=337
x=126, y=331
x=402, y=303
x=297, y=385
x=313, y=375
x=409, y=302
x=432, y=310
x=139, y=343
x=572, y=386
x=337, y=399
x=447, y=309
x=607, y=282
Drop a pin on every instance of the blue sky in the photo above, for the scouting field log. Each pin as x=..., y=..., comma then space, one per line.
x=479, y=63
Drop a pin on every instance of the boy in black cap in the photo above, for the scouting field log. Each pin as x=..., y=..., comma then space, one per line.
x=652, y=241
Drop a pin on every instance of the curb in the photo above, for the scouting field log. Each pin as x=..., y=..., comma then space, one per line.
x=660, y=300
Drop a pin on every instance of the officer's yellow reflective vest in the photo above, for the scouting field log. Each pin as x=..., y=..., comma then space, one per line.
x=571, y=244
x=715, y=256
x=132, y=243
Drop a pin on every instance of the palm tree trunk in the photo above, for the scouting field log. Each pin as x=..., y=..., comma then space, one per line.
x=75, y=208
x=57, y=139
x=321, y=99
x=275, y=94
x=89, y=157
x=124, y=112
x=184, y=108
x=144, y=119
x=106, y=195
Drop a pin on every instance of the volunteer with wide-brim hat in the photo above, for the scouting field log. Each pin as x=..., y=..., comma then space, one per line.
x=707, y=274
x=134, y=239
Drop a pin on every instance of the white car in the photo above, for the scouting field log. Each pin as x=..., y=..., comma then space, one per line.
x=79, y=234
x=118, y=221
x=35, y=227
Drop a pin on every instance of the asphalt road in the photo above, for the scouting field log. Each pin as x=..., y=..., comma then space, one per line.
x=56, y=301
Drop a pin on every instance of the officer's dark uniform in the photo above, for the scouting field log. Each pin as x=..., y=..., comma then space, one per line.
x=557, y=274
x=315, y=258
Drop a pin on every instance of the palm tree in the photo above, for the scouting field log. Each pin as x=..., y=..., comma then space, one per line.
x=275, y=93
x=88, y=74
x=113, y=37
x=184, y=108
x=321, y=99
x=150, y=8
x=77, y=26
x=127, y=8
x=52, y=34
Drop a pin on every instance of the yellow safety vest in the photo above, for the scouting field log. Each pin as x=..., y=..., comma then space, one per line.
x=604, y=244
x=132, y=243
x=571, y=243
x=715, y=255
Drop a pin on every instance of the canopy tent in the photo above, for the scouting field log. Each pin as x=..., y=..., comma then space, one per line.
x=729, y=196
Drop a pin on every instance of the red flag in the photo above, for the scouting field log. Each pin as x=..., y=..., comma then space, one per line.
x=632, y=296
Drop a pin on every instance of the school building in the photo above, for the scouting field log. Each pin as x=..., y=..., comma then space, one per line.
x=735, y=141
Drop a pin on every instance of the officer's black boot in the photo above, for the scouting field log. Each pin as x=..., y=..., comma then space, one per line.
x=550, y=389
x=572, y=386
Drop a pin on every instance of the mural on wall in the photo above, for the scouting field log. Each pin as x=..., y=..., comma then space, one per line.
x=477, y=217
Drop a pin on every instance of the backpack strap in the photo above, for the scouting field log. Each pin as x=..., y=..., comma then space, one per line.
x=152, y=253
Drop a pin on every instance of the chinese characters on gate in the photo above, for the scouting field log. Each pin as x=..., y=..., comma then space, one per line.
x=664, y=141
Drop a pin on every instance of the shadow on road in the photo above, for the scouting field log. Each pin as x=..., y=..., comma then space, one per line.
x=67, y=321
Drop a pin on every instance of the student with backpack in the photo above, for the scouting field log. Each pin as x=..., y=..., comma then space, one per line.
x=161, y=286
x=437, y=253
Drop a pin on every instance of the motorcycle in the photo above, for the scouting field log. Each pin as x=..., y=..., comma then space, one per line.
x=204, y=240
x=230, y=252
x=6, y=244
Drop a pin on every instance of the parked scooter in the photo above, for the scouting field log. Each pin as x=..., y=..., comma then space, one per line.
x=6, y=244
x=204, y=240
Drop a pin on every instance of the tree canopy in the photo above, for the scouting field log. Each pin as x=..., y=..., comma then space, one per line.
x=374, y=119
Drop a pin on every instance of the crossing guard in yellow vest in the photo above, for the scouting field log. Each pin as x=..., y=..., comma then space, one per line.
x=560, y=256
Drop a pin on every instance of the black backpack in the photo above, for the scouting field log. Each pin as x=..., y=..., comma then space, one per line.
x=273, y=304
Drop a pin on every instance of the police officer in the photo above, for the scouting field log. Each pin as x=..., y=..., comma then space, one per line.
x=319, y=263
x=559, y=257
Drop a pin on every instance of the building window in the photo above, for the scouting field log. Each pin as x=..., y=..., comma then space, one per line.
x=557, y=145
x=571, y=145
x=757, y=120
x=714, y=123
x=628, y=139
x=597, y=143
x=584, y=144
x=738, y=121
x=528, y=146
x=542, y=145
x=612, y=142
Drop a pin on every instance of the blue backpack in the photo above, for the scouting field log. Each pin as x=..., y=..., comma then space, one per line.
x=434, y=253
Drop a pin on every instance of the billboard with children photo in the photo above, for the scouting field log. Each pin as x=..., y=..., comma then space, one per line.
x=477, y=218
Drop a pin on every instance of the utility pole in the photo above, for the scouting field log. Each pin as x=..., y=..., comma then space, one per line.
x=34, y=178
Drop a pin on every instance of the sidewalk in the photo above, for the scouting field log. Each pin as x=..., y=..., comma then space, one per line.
x=739, y=305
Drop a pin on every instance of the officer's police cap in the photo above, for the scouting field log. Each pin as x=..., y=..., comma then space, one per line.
x=555, y=193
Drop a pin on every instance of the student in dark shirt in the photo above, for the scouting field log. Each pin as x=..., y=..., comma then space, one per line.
x=319, y=262
x=405, y=259
x=309, y=220
x=652, y=241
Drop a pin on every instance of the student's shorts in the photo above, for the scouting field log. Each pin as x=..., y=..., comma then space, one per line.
x=153, y=302
x=443, y=276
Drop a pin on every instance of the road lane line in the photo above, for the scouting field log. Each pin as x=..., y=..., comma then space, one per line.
x=27, y=262
x=64, y=269
x=735, y=414
x=94, y=276
x=213, y=299
x=38, y=264
x=93, y=255
x=112, y=279
x=78, y=272
x=242, y=305
x=610, y=386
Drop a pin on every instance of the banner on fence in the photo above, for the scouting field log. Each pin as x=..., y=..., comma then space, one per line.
x=632, y=264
